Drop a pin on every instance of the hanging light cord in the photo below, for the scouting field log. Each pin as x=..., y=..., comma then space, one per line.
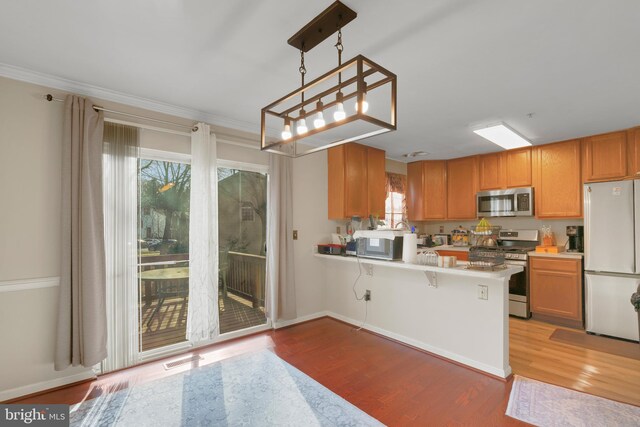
x=339, y=47
x=303, y=71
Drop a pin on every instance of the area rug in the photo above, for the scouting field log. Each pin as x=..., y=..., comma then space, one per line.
x=544, y=404
x=630, y=350
x=255, y=389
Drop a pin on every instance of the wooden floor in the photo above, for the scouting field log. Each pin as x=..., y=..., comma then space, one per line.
x=532, y=354
x=396, y=384
x=168, y=326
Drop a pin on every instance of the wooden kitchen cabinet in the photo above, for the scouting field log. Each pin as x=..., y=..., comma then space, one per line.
x=518, y=167
x=604, y=157
x=633, y=153
x=427, y=190
x=505, y=169
x=557, y=180
x=491, y=171
x=556, y=290
x=461, y=255
x=462, y=186
x=356, y=177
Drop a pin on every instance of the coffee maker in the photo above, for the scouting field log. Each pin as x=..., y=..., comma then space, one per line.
x=576, y=238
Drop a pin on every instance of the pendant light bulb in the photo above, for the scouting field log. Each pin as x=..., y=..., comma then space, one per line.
x=365, y=104
x=339, y=114
x=286, y=132
x=301, y=126
x=319, y=122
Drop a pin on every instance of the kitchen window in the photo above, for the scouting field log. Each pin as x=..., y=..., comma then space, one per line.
x=395, y=203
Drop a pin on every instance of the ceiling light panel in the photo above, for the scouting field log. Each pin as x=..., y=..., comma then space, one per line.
x=503, y=135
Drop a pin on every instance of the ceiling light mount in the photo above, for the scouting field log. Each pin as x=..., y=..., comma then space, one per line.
x=373, y=87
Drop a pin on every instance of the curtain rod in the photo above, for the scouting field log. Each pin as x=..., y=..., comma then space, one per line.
x=50, y=98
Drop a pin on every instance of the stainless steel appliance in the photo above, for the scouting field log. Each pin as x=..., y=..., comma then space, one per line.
x=514, y=245
x=511, y=202
x=612, y=257
x=379, y=244
x=575, y=233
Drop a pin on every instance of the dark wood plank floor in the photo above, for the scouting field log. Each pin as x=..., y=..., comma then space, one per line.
x=396, y=384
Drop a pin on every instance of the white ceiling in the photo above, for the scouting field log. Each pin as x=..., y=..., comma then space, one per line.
x=460, y=63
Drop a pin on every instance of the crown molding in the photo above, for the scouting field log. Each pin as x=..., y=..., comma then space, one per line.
x=84, y=89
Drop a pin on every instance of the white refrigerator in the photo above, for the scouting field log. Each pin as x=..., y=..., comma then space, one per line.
x=612, y=257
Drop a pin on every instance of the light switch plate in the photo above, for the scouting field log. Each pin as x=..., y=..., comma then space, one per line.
x=483, y=292
x=295, y=234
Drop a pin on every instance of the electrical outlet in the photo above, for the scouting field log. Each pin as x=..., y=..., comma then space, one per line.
x=295, y=234
x=367, y=295
x=338, y=230
x=483, y=292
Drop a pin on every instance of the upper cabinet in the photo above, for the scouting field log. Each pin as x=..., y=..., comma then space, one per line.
x=491, y=171
x=633, y=145
x=462, y=186
x=518, y=167
x=427, y=190
x=604, y=157
x=505, y=169
x=557, y=180
x=356, y=175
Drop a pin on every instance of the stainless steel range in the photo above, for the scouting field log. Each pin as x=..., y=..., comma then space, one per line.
x=514, y=245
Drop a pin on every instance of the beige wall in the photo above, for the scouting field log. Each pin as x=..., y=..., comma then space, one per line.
x=30, y=147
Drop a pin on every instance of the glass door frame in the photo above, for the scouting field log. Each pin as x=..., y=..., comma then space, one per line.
x=268, y=295
x=156, y=353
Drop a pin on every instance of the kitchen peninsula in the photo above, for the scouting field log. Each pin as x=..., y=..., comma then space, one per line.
x=440, y=310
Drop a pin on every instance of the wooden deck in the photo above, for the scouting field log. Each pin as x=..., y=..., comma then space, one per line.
x=169, y=325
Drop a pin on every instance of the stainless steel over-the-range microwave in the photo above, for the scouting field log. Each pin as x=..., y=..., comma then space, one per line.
x=510, y=202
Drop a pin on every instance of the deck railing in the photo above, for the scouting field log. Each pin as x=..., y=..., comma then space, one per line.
x=245, y=276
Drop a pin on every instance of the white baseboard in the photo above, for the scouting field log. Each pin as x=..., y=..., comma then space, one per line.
x=283, y=323
x=45, y=385
x=26, y=284
x=431, y=349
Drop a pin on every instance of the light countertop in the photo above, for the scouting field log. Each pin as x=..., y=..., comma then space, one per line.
x=460, y=270
x=450, y=248
x=571, y=255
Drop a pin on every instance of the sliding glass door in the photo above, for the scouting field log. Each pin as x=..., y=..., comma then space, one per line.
x=163, y=242
x=242, y=230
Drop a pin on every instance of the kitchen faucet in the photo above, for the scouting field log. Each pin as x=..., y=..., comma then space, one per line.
x=404, y=223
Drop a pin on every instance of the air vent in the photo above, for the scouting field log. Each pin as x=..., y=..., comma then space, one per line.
x=179, y=362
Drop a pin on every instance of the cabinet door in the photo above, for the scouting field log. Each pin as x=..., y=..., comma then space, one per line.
x=518, y=167
x=356, y=188
x=435, y=189
x=605, y=156
x=376, y=182
x=491, y=171
x=557, y=180
x=415, y=191
x=336, y=176
x=556, y=288
x=633, y=145
x=462, y=175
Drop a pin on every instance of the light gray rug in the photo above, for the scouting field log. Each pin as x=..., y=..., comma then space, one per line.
x=544, y=404
x=255, y=389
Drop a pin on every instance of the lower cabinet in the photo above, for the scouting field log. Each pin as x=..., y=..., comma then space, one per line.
x=461, y=255
x=555, y=287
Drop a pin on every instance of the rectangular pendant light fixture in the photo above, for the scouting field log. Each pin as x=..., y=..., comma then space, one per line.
x=502, y=135
x=351, y=102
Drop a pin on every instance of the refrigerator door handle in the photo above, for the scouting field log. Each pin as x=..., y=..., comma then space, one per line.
x=587, y=224
x=636, y=220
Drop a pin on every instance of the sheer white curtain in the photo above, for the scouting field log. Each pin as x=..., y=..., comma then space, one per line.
x=280, y=271
x=120, y=180
x=202, y=318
